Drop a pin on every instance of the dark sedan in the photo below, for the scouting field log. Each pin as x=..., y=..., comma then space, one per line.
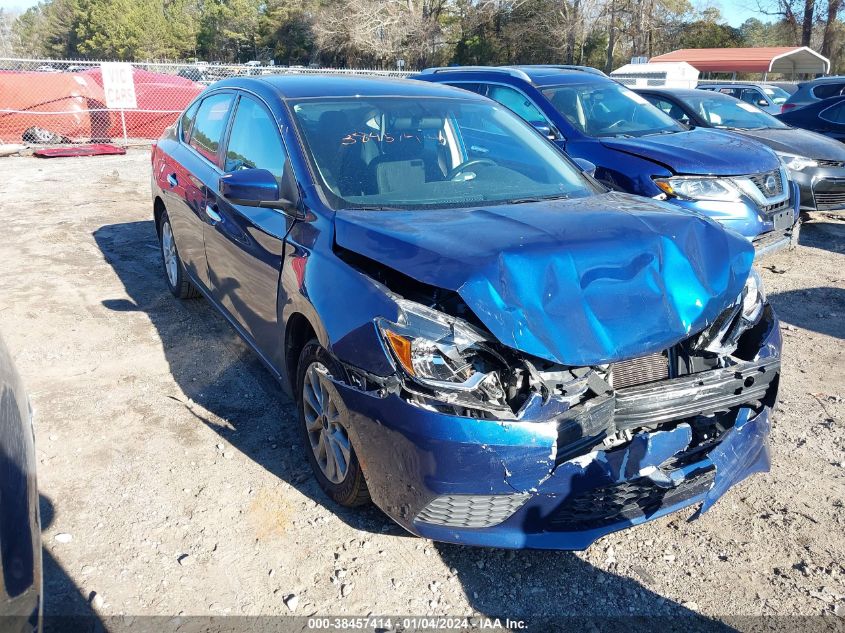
x=20, y=531
x=815, y=162
x=481, y=339
x=825, y=117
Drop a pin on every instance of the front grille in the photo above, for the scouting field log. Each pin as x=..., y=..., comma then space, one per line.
x=830, y=194
x=831, y=163
x=830, y=200
x=625, y=501
x=759, y=181
x=471, y=511
x=769, y=209
x=638, y=371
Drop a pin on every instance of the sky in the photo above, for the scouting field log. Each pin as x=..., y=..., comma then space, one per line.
x=735, y=12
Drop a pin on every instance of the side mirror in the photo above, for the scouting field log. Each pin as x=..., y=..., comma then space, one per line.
x=762, y=103
x=586, y=166
x=253, y=188
x=545, y=129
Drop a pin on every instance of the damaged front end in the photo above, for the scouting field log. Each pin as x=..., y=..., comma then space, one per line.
x=488, y=445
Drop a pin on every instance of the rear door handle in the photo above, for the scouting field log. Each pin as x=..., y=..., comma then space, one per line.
x=212, y=214
x=172, y=180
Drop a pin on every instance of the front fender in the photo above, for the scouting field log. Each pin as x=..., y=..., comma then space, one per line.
x=340, y=302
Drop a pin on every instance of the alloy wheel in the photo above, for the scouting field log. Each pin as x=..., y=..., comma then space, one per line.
x=168, y=251
x=328, y=437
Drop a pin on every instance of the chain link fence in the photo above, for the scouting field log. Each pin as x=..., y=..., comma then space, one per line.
x=60, y=101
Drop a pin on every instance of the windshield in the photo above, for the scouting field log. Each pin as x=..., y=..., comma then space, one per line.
x=776, y=94
x=602, y=110
x=397, y=152
x=726, y=112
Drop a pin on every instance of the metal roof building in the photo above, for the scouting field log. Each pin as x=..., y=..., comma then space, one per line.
x=789, y=60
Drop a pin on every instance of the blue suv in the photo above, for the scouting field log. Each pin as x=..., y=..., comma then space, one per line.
x=638, y=149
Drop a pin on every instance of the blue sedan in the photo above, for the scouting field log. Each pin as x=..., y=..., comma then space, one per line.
x=479, y=338
x=824, y=117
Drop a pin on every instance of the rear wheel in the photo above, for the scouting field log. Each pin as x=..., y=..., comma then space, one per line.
x=324, y=429
x=174, y=269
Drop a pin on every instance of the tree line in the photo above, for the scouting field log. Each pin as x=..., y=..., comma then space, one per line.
x=378, y=33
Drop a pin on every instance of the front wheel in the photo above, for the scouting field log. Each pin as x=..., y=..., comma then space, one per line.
x=174, y=269
x=324, y=429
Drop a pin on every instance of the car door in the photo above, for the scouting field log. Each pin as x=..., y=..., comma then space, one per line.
x=244, y=245
x=186, y=175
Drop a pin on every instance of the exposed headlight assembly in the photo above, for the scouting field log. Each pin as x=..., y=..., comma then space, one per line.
x=442, y=353
x=723, y=334
x=445, y=360
x=795, y=162
x=753, y=298
x=699, y=188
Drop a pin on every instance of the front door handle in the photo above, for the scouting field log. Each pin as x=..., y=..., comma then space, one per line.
x=212, y=214
x=172, y=180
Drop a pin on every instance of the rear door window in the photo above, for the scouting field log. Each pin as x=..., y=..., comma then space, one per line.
x=210, y=125
x=834, y=114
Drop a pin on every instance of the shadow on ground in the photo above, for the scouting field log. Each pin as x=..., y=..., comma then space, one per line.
x=558, y=591
x=818, y=309
x=216, y=370
x=66, y=609
x=823, y=234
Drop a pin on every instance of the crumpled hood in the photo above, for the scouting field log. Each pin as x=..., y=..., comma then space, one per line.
x=699, y=152
x=579, y=282
x=800, y=142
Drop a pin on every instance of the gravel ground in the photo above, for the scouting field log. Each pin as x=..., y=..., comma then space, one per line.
x=169, y=456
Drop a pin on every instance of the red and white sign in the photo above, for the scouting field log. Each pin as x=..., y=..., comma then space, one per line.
x=119, y=85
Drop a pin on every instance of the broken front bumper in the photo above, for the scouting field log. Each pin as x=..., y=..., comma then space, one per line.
x=525, y=483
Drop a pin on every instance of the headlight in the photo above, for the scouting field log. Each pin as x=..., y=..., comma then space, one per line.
x=753, y=297
x=437, y=350
x=699, y=188
x=796, y=162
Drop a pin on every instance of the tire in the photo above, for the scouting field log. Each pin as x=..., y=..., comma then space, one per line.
x=328, y=429
x=174, y=270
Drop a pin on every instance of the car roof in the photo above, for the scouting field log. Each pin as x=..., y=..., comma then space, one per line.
x=681, y=92
x=540, y=75
x=326, y=85
x=739, y=84
x=549, y=75
x=822, y=80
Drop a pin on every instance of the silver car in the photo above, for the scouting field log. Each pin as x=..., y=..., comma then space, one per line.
x=767, y=97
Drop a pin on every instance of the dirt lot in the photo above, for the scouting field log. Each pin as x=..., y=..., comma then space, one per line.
x=168, y=454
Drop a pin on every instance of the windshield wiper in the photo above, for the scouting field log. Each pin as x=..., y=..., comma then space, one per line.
x=374, y=207
x=560, y=196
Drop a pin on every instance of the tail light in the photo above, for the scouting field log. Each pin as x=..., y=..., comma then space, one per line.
x=786, y=107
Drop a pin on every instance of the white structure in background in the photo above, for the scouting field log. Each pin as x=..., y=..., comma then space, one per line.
x=657, y=74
